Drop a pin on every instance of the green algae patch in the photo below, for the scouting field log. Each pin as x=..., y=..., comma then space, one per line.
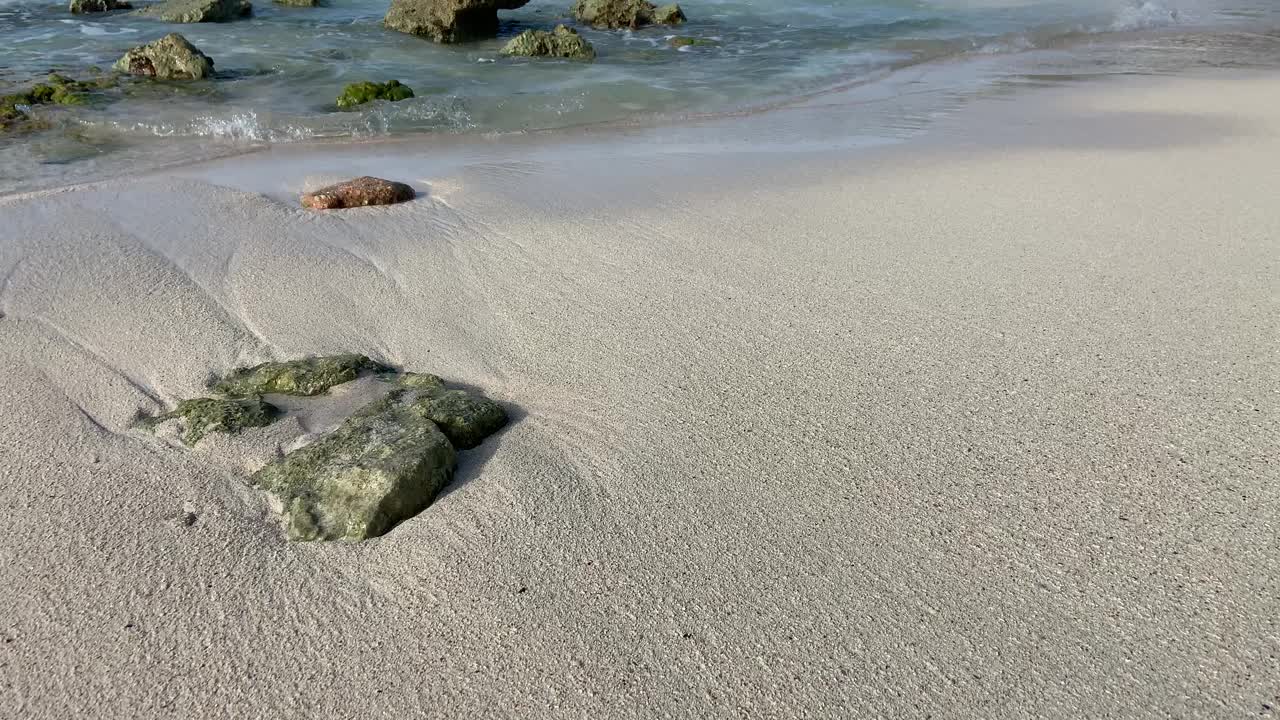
x=681, y=41
x=383, y=465
x=310, y=376
x=201, y=416
x=366, y=92
x=56, y=90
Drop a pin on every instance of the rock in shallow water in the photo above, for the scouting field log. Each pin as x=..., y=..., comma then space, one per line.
x=96, y=6
x=198, y=11
x=448, y=21
x=310, y=376
x=360, y=192
x=563, y=42
x=631, y=14
x=169, y=58
x=365, y=92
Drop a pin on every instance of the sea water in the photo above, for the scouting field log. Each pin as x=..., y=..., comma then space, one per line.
x=278, y=72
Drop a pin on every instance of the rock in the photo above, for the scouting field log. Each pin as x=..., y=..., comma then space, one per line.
x=363, y=92
x=169, y=58
x=97, y=6
x=448, y=21
x=563, y=42
x=197, y=11
x=311, y=376
x=298, y=3
x=359, y=192
x=631, y=14
x=464, y=418
x=201, y=416
x=682, y=42
x=382, y=466
x=58, y=90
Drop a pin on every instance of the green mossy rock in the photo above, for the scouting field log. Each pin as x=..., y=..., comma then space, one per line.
x=629, y=14
x=365, y=92
x=384, y=465
x=198, y=11
x=57, y=90
x=96, y=6
x=464, y=418
x=169, y=58
x=448, y=21
x=562, y=42
x=202, y=416
x=683, y=42
x=311, y=376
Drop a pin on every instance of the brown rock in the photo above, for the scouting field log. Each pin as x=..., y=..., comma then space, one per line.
x=358, y=193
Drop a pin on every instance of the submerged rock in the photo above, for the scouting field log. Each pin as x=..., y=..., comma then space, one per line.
x=448, y=21
x=57, y=90
x=298, y=3
x=198, y=11
x=563, y=42
x=96, y=6
x=201, y=416
x=682, y=42
x=169, y=58
x=360, y=192
x=310, y=376
x=364, y=92
x=631, y=14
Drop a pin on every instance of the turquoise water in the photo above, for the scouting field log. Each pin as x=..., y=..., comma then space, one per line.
x=279, y=72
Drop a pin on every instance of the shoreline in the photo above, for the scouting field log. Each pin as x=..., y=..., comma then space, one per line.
x=966, y=76
x=979, y=424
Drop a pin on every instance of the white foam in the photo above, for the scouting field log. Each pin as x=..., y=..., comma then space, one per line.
x=1144, y=15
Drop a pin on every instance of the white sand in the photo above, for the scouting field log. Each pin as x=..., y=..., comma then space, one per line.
x=984, y=425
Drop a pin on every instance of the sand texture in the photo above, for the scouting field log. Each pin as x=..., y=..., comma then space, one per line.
x=985, y=424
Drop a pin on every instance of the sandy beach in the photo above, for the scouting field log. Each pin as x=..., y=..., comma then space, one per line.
x=980, y=424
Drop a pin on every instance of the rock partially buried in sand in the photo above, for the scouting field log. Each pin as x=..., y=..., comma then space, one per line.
x=200, y=416
x=448, y=21
x=169, y=58
x=563, y=42
x=360, y=192
x=79, y=7
x=310, y=376
x=630, y=14
x=365, y=92
x=383, y=465
x=198, y=11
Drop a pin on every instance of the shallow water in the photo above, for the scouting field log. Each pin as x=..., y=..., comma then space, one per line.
x=279, y=72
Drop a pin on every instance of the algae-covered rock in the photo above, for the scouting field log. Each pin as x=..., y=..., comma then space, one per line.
x=201, y=416
x=364, y=92
x=96, y=6
x=631, y=14
x=680, y=41
x=169, y=58
x=382, y=466
x=311, y=376
x=464, y=418
x=198, y=11
x=562, y=42
x=57, y=90
x=448, y=21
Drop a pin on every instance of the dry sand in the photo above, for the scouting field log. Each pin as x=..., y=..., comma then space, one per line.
x=982, y=425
